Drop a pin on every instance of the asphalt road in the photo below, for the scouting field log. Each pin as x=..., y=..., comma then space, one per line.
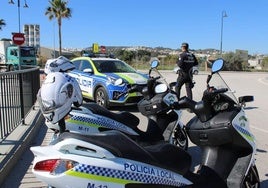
x=255, y=84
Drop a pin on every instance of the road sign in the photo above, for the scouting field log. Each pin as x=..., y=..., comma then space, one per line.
x=95, y=47
x=103, y=49
x=18, y=38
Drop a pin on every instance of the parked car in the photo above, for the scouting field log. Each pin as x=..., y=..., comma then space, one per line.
x=106, y=80
x=195, y=70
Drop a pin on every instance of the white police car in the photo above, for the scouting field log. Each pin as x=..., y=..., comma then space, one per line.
x=106, y=80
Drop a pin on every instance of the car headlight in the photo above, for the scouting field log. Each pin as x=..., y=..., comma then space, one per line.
x=115, y=81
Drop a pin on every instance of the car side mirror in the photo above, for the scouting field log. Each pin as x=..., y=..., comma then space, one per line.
x=88, y=70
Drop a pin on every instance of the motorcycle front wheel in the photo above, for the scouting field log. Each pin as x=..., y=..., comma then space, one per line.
x=179, y=138
x=252, y=179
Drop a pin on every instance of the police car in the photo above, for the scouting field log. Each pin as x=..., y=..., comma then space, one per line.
x=107, y=80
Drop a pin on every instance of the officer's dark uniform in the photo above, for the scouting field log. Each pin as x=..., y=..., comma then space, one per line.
x=186, y=61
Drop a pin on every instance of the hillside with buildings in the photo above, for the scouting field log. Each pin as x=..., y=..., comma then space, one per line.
x=254, y=61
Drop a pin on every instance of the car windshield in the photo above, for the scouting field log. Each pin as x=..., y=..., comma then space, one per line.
x=111, y=66
x=27, y=52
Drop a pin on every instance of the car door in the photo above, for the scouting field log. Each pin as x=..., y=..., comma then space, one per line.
x=85, y=83
x=76, y=73
x=86, y=78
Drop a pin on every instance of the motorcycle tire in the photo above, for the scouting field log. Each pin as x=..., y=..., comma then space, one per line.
x=179, y=138
x=252, y=179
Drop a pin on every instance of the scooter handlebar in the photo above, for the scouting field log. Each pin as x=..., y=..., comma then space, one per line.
x=218, y=91
x=202, y=108
x=155, y=78
x=183, y=103
x=186, y=102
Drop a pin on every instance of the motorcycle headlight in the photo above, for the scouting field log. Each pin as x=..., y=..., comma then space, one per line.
x=160, y=88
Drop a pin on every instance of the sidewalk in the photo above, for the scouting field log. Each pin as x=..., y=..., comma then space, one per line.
x=17, y=142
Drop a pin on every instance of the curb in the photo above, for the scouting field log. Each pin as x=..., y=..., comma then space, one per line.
x=18, y=141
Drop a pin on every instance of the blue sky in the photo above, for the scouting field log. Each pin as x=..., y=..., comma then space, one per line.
x=150, y=23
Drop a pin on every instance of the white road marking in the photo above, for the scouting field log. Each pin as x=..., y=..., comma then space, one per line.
x=259, y=129
x=262, y=81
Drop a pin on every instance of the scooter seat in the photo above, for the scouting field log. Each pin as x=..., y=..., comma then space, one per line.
x=124, y=117
x=163, y=154
x=171, y=157
x=115, y=142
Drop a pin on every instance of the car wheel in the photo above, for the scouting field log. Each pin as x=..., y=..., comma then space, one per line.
x=101, y=97
x=195, y=72
x=11, y=67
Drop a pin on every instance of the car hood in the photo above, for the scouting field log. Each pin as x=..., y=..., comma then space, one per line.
x=132, y=78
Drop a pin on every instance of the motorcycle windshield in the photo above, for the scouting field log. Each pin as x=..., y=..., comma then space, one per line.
x=218, y=82
x=155, y=73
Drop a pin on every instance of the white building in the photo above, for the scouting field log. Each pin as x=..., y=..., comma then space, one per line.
x=32, y=35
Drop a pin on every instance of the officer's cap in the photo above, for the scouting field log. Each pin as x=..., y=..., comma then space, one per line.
x=185, y=44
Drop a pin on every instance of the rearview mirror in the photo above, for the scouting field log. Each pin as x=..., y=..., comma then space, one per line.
x=217, y=66
x=154, y=64
x=245, y=99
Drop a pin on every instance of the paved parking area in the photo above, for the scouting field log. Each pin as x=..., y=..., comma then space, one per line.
x=243, y=83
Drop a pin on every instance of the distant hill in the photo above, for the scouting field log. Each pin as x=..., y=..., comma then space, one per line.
x=68, y=52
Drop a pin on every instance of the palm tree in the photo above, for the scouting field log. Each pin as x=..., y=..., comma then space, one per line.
x=58, y=9
x=2, y=23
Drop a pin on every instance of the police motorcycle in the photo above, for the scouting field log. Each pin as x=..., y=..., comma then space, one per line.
x=221, y=129
x=92, y=118
x=112, y=159
x=155, y=107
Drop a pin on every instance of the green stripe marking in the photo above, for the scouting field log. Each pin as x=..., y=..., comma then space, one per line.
x=82, y=123
x=99, y=178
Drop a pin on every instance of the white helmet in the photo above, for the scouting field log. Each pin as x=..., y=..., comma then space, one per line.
x=60, y=64
x=57, y=94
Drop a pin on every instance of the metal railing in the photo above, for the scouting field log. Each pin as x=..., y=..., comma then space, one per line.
x=18, y=90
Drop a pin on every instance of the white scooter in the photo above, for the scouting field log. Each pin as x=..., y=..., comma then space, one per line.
x=111, y=159
x=163, y=124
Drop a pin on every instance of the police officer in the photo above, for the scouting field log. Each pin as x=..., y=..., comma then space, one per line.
x=186, y=62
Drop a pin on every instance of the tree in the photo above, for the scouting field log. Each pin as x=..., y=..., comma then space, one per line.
x=264, y=63
x=234, y=62
x=58, y=10
x=2, y=23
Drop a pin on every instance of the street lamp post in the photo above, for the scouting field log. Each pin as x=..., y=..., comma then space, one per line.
x=223, y=15
x=25, y=6
x=18, y=3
